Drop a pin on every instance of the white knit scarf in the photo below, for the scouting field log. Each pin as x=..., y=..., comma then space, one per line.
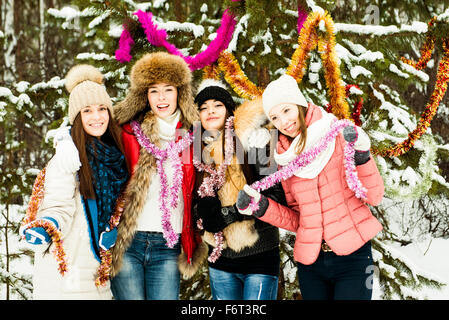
x=314, y=133
x=167, y=126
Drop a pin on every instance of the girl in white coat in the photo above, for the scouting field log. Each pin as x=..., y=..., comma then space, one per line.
x=80, y=204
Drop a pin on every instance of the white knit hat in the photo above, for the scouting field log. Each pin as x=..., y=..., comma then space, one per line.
x=85, y=85
x=283, y=90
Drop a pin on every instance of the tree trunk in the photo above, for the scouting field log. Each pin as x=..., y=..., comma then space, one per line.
x=10, y=43
x=42, y=9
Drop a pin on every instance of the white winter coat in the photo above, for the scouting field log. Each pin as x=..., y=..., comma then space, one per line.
x=62, y=202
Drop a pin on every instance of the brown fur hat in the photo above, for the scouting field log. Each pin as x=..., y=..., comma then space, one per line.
x=155, y=68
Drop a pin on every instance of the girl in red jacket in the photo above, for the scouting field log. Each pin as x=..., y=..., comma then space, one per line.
x=155, y=239
x=333, y=225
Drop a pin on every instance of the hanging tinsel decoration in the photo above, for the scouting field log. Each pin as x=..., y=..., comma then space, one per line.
x=438, y=93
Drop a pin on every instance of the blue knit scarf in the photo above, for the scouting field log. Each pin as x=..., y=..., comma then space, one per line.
x=109, y=175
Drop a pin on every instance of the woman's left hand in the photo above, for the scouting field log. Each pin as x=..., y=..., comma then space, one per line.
x=244, y=200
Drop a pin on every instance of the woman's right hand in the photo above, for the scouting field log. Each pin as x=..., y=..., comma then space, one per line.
x=209, y=210
x=38, y=235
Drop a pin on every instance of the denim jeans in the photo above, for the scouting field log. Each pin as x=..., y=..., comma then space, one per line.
x=149, y=270
x=333, y=277
x=238, y=286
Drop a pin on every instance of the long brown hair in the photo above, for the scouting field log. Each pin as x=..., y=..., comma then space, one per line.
x=302, y=130
x=80, y=138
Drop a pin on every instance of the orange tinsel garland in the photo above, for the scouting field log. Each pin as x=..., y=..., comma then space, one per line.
x=426, y=50
x=211, y=72
x=428, y=113
x=307, y=41
x=234, y=75
x=106, y=255
x=31, y=222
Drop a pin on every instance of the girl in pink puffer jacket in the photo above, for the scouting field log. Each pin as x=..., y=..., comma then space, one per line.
x=333, y=227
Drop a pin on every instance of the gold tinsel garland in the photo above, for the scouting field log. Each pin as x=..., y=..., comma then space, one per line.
x=426, y=50
x=30, y=221
x=307, y=40
x=428, y=113
x=234, y=75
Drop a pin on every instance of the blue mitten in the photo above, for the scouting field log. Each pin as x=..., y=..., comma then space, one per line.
x=108, y=238
x=38, y=235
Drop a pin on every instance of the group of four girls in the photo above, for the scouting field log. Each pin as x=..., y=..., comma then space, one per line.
x=184, y=204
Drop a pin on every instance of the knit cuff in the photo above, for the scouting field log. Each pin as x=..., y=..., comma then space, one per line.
x=361, y=157
x=263, y=206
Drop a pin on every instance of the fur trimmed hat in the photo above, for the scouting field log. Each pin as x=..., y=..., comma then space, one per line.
x=154, y=68
x=283, y=90
x=214, y=89
x=85, y=85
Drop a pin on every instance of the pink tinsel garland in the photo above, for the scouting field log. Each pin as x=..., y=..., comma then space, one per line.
x=126, y=42
x=215, y=181
x=302, y=17
x=167, y=194
x=308, y=156
x=158, y=37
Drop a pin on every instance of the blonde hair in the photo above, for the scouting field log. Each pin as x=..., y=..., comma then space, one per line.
x=302, y=129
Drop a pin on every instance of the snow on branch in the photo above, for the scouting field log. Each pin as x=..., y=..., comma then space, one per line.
x=377, y=30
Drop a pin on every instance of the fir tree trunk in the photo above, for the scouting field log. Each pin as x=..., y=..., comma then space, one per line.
x=10, y=42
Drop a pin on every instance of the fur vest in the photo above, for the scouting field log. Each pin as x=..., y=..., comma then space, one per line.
x=241, y=236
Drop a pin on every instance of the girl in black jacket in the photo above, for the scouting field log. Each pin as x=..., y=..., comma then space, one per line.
x=247, y=266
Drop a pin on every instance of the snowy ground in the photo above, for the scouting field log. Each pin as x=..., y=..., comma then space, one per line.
x=430, y=257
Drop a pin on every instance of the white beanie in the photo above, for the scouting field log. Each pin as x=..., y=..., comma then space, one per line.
x=283, y=90
x=85, y=85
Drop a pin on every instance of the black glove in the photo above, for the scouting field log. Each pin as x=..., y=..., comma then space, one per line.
x=209, y=209
x=361, y=157
x=231, y=214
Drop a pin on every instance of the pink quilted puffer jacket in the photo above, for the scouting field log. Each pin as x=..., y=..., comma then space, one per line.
x=325, y=207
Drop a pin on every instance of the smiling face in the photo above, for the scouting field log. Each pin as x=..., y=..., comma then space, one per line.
x=95, y=120
x=163, y=99
x=213, y=115
x=285, y=117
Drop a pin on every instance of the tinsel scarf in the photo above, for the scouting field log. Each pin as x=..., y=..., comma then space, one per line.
x=168, y=197
x=215, y=181
x=307, y=156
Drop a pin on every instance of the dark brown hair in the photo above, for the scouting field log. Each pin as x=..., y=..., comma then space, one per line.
x=246, y=169
x=80, y=138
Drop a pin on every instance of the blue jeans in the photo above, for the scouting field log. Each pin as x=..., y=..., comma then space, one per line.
x=333, y=277
x=238, y=286
x=149, y=270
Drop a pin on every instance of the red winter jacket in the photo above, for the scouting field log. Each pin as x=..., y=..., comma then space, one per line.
x=189, y=239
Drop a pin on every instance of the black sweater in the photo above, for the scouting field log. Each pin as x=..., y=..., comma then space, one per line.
x=263, y=257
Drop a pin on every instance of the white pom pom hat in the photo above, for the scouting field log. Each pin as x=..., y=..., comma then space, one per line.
x=85, y=85
x=283, y=90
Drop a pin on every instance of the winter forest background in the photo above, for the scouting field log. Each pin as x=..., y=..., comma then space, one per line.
x=41, y=39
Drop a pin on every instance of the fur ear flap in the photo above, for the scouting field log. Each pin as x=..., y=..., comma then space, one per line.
x=135, y=101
